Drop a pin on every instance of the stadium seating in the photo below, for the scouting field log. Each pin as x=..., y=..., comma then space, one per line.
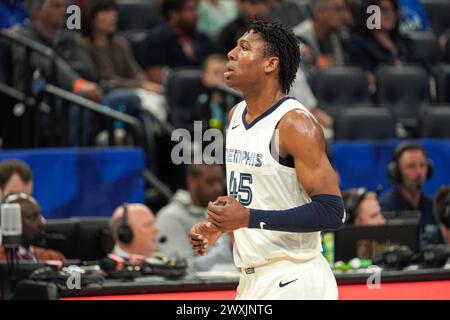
x=435, y=122
x=340, y=87
x=364, y=123
x=442, y=77
x=405, y=90
x=184, y=85
x=438, y=12
x=5, y=62
x=138, y=14
x=427, y=45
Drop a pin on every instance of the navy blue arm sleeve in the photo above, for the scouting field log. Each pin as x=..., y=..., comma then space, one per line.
x=324, y=212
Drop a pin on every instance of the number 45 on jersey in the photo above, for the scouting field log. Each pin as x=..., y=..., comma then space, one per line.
x=240, y=187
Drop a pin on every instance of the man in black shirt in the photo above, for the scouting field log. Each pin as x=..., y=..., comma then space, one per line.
x=176, y=42
x=408, y=172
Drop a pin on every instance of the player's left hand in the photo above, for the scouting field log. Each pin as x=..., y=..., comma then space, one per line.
x=227, y=214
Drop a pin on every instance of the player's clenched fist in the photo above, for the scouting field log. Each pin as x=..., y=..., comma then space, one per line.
x=202, y=235
x=227, y=214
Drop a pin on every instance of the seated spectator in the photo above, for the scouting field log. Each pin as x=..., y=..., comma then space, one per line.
x=247, y=10
x=32, y=230
x=13, y=14
x=213, y=105
x=15, y=176
x=408, y=172
x=187, y=207
x=214, y=15
x=386, y=45
x=441, y=209
x=322, y=44
x=362, y=208
x=175, y=42
x=73, y=65
x=134, y=231
x=115, y=65
x=123, y=80
x=71, y=69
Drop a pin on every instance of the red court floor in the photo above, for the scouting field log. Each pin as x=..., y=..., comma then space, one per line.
x=389, y=291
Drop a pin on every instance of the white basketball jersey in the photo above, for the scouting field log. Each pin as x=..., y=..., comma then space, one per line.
x=259, y=181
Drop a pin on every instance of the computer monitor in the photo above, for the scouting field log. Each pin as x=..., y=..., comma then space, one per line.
x=62, y=235
x=86, y=238
x=402, y=217
x=94, y=238
x=369, y=242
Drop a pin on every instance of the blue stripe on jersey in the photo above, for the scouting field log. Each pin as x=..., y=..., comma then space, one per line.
x=264, y=114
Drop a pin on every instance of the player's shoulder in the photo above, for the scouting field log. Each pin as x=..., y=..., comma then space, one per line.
x=299, y=118
x=298, y=124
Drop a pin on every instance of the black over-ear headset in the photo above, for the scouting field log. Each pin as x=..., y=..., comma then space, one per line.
x=446, y=214
x=393, y=170
x=352, y=204
x=124, y=231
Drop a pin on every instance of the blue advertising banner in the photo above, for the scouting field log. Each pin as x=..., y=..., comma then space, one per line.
x=83, y=182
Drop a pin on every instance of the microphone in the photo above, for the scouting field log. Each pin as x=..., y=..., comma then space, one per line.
x=11, y=225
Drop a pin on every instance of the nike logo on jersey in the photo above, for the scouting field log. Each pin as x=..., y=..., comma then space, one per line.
x=281, y=284
x=232, y=128
x=261, y=225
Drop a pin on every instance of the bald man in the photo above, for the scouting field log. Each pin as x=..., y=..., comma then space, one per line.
x=141, y=221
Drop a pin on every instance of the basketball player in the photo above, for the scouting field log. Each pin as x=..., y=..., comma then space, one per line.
x=281, y=194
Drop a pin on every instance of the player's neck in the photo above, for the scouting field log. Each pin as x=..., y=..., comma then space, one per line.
x=258, y=103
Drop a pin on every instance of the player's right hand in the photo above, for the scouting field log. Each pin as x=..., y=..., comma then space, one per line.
x=202, y=235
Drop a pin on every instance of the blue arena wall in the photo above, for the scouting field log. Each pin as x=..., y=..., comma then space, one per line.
x=83, y=182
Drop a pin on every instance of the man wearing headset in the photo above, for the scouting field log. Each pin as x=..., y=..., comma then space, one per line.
x=441, y=208
x=134, y=231
x=32, y=231
x=362, y=208
x=408, y=172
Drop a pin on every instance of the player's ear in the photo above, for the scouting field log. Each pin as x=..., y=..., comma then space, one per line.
x=271, y=64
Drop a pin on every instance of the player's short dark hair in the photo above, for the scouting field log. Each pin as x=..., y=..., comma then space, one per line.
x=10, y=167
x=282, y=43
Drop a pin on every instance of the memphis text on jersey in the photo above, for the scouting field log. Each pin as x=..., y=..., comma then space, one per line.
x=248, y=158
